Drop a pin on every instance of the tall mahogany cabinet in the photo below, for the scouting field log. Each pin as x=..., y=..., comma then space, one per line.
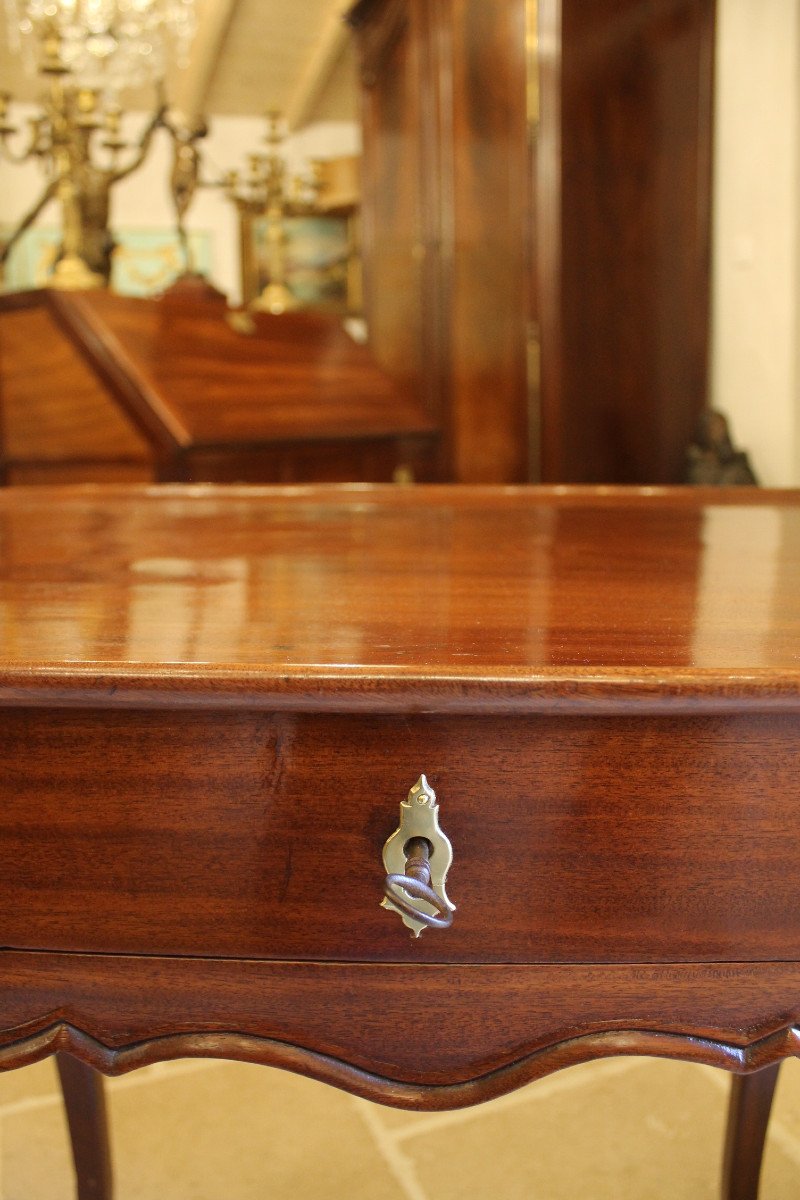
x=445, y=196
x=584, y=234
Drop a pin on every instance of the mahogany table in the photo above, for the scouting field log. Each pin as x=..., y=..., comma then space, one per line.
x=215, y=700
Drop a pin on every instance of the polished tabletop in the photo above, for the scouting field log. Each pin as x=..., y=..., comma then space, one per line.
x=385, y=596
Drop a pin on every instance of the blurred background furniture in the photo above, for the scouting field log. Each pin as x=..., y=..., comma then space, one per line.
x=97, y=387
x=534, y=201
x=571, y=229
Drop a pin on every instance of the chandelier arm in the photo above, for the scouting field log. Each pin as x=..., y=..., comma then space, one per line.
x=157, y=121
x=21, y=156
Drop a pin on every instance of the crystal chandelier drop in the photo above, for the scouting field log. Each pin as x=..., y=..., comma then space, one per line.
x=109, y=45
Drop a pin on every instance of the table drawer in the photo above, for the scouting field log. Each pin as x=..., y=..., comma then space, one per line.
x=244, y=834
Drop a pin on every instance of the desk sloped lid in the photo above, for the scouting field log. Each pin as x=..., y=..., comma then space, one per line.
x=53, y=407
x=416, y=599
x=184, y=372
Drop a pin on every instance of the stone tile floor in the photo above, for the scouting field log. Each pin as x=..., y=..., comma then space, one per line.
x=624, y=1129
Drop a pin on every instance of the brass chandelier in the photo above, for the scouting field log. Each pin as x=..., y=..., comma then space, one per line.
x=106, y=45
x=88, y=51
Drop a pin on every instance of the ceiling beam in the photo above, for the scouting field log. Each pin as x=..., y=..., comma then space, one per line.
x=191, y=87
x=319, y=65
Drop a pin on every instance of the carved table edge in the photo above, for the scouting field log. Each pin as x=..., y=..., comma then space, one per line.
x=591, y=691
x=64, y=1037
x=419, y=496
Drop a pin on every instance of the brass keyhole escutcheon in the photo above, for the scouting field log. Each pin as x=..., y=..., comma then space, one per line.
x=417, y=858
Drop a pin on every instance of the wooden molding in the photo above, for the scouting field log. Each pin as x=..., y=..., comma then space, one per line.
x=64, y=1037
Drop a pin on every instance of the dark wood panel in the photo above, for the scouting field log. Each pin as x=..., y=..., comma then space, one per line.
x=484, y=1030
x=624, y=294
x=254, y=835
x=620, y=202
x=445, y=201
x=341, y=460
x=490, y=198
x=399, y=219
x=79, y=471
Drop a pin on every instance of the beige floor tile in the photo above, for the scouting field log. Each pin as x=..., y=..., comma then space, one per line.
x=781, y=1172
x=28, y=1085
x=786, y=1108
x=627, y=1129
x=652, y=1133
x=234, y=1133
x=36, y=1081
x=780, y=1175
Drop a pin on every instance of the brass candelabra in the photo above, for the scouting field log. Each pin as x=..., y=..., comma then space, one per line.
x=76, y=137
x=78, y=142
x=266, y=190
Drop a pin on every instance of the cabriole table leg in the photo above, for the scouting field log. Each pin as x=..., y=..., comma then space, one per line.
x=748, y=1116
x=84, y=1100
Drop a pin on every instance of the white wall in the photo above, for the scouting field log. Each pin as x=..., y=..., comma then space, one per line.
x=756, y=278
x=142, y=200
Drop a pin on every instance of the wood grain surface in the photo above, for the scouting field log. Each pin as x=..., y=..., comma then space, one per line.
x=443, y=109
x=616, y=213
x=402, y=599
x=624, y=212
x=59, y=424
x=215, y=699
x=187, y=377
x=577, y=839
x=476, y=1032
x=96, y=388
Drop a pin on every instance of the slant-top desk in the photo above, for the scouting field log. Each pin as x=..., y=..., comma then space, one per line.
x=214, y=702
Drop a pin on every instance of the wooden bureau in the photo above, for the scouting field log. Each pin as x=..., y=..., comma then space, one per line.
x=100, y=388
x=214, y=701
